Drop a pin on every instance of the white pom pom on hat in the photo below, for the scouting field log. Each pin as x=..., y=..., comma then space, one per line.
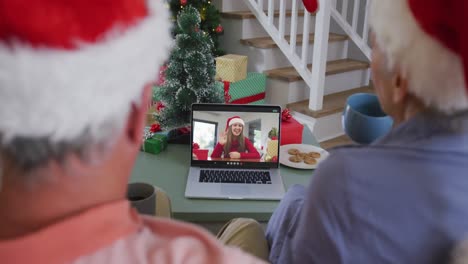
x=72, y=66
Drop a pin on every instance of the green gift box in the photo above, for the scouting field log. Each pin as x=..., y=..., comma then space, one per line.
x=251, y=90
x=155, y=144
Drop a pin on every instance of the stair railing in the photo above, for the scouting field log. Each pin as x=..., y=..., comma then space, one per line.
x=357, y=32
x=314, y=76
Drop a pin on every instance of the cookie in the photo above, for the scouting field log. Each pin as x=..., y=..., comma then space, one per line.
x=301, y=154
x=295, y=159
x=314, y=155
x=310, y=161
x=293, y=151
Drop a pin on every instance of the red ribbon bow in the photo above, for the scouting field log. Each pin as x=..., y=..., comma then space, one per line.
x=195, y=146
x=155, y=128
x=286, y=115
x=227, y=96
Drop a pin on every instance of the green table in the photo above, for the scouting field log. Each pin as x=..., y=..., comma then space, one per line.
x=169, y=169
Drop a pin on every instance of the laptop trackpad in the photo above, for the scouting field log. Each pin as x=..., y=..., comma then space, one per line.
x=235, y=190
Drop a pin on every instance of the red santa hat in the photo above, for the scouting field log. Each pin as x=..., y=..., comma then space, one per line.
x=428, y=39
x=75, y=65
x=233, y=120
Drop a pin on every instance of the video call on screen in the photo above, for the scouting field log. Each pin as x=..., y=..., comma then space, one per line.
x=259, y=129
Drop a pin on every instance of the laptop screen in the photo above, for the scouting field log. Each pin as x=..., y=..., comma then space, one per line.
x=227, y=135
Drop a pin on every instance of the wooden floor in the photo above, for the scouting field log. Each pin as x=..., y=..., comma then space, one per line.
x=335, y=142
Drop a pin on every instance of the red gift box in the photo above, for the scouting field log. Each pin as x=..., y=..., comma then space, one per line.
x=202, y=154
x=291, y=132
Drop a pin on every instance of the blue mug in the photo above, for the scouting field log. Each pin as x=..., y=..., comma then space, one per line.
x=363, y=118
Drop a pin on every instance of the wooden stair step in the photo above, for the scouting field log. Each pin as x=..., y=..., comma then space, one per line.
x=290, y=74
x=332, y=103
x=250, y=15
x=268, y=43
x=335, y=142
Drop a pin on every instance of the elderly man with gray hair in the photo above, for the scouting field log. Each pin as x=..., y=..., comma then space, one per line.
x=73, y=102
x=404, y=198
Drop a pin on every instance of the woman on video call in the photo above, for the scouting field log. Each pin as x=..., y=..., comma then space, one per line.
x=232, y=143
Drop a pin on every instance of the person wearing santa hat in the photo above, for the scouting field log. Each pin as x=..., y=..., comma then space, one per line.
x=403, y=198
x=232, y=143
x=73, y=96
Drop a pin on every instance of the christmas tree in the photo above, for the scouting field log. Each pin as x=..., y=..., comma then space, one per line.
x=210, y=19
x=189, y=74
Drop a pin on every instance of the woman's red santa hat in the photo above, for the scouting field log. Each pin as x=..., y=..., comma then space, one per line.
x=232, y=120
x=71, y=66
x=428, y=41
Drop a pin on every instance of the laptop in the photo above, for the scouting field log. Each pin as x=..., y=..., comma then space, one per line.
x=224, y=168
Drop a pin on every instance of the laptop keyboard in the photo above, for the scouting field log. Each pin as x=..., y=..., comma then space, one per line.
x=234, y=176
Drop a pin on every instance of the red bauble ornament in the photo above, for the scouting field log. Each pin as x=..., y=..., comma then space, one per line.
x=219, y=29
x=155, y=128
x=159, y=106
x=183, y=2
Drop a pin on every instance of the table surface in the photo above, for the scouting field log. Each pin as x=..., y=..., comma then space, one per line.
x=169, y=169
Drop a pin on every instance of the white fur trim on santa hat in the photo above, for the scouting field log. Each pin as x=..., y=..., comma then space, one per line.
x=59, y=94
x=235, y=120
x=434, y=73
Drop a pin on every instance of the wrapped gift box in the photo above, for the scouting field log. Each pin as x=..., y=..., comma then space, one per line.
x=272, y=149
x=231, y=67
x=291, y=132
x=251, y=90
x=155, y=144
x=201, y=154
x=150, y=116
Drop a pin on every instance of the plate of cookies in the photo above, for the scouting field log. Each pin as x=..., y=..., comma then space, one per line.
x=302, y=156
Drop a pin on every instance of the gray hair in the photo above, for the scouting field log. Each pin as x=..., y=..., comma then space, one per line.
x=435, y=73
x=28, y=154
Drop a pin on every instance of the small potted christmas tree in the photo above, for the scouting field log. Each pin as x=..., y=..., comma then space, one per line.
x=189, y=77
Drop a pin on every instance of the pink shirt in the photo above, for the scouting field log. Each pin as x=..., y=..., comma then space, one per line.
x=115, y=233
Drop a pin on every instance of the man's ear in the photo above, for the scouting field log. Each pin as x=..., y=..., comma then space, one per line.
x=399, y=89
x=137, y=117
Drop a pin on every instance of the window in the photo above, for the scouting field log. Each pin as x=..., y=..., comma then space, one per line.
x=255, y=133
x=204, y=133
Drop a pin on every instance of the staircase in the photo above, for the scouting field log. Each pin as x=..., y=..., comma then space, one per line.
x=282, y=44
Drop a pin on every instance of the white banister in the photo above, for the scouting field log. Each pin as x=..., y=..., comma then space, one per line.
x=355, y=13
x=271, y=12
x=365, y=33
x=260, y=5
x=315, y=77
x=305, y=39
x=319, y=62
x=344, y=9
x=293, y=38
x=282, y=18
